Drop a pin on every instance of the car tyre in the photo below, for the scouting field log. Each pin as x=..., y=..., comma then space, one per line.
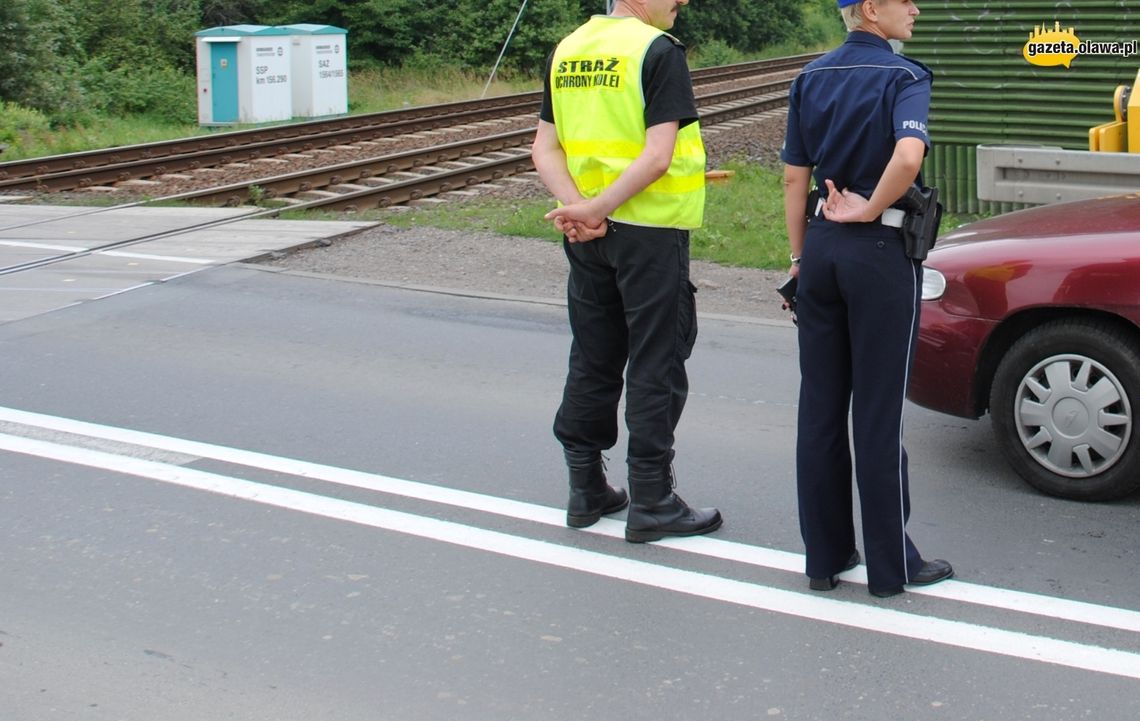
x=1063, y=404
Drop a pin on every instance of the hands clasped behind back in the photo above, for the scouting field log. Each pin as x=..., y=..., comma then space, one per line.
x=578, y=222
x=844, y=206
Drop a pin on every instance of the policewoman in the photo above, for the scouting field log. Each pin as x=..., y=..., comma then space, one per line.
x=619, y=146
x=857, y=132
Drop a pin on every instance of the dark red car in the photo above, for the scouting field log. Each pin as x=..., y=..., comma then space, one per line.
x=1035, y=317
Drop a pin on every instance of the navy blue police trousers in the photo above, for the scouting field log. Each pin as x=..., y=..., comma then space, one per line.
x=857, y=310
x=632, y=310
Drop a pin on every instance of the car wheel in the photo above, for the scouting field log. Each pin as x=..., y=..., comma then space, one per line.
x=1063, y=403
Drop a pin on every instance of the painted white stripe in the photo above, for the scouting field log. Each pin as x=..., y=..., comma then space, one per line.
x=69, y=289
x=817, y=608
x=168, y=258
x=43, y=246
x=1005, y=599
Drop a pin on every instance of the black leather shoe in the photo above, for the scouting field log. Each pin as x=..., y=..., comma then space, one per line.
x=829, y=583
x=931, y=572
x=886, y=592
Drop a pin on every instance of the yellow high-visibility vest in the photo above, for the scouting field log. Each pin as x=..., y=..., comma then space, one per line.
x=599, y=113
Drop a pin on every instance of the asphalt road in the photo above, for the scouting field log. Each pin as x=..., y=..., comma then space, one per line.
x=245, y=494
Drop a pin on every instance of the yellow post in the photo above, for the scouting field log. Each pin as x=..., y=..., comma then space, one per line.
x=1134, y=116
x=1123, y=134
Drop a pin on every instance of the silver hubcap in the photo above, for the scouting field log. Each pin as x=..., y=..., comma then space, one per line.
x=1073, y=416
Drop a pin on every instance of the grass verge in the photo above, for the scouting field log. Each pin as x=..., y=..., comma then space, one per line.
x=744, y=219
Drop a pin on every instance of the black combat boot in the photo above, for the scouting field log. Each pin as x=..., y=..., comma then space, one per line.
x=591, y=496
x=656, y=511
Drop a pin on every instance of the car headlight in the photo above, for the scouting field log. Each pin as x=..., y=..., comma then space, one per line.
x=933, y=284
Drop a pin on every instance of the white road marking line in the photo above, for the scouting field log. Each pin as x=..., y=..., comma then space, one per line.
x=43, y=246
x=844, y=613
x=148, y=256
x=70, y=290
x=1005, y=599
x=96, y=444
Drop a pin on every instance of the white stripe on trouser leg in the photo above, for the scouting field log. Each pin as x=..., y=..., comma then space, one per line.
x=902, y=409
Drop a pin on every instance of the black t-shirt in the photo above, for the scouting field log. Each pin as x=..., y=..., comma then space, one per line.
x=666, y=83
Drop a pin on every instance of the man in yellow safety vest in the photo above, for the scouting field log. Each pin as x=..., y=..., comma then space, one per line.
x=619, y=146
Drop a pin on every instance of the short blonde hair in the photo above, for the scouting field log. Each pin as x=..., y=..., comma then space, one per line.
x=853, y=14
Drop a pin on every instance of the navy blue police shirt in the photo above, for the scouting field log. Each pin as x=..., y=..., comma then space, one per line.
x=847, y=109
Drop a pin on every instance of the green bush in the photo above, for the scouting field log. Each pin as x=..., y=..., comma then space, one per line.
x=154, y=90
x=714, y=52
x=821, y=24
x=18, y=124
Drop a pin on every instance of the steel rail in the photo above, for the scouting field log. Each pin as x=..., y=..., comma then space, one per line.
x=239, y=138
x=369, y=171
x=71, y=255
x=399, y=193
x=476, y=170
x=144, y=168
x=68, y=180
x=51, y=171
x=722, y=73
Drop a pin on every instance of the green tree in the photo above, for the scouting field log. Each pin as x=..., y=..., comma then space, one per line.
x=13, y=51
x=216, y=13
x=138, y=33
x=478, y=32
x=39, y=58
x=467, y=32
x=392, y=32
x=379, y=31
x=741, y=24
x=68, y=57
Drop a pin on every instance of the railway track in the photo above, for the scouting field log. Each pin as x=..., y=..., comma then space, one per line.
x=402, y=177
x=398, y=178
x=136, y=162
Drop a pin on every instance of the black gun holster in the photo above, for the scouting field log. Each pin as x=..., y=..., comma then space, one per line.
x=920, y=225
x=812, y=203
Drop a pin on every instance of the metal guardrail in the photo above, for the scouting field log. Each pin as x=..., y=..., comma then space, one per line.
x=1040, y=175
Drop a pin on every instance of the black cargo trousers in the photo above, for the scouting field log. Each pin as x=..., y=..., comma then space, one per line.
x=630, y=302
